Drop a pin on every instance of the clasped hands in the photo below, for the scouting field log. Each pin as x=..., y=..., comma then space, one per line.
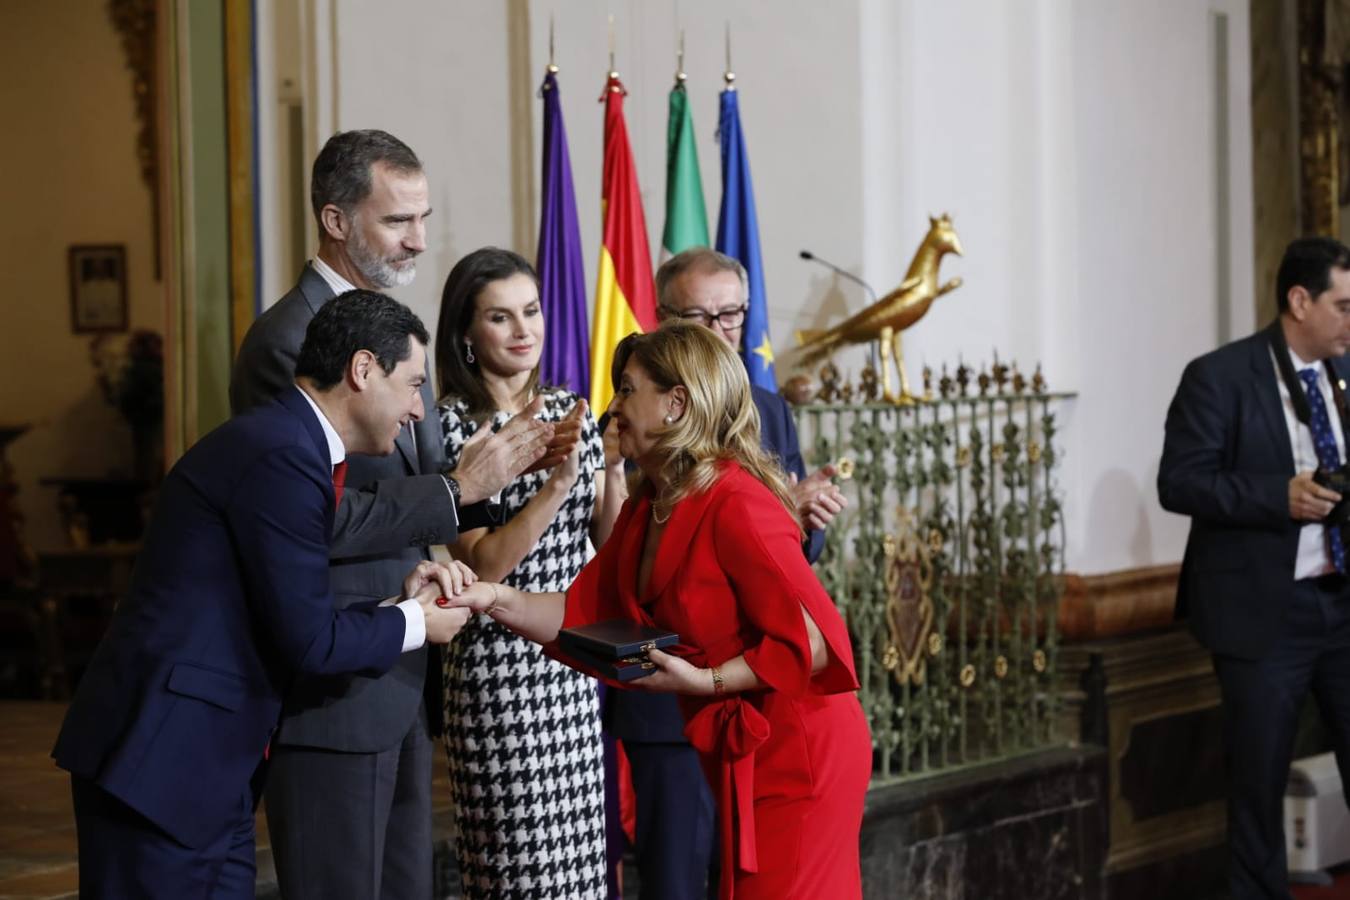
x=490, y=461
x=818, y=498
x=673, y=674
x=432, y=584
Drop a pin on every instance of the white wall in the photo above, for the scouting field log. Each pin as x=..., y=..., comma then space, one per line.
x=1071, y=140
x=1073, y=143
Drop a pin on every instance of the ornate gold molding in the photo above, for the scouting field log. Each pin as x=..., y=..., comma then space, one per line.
x=1320, y=69
x=136, y=22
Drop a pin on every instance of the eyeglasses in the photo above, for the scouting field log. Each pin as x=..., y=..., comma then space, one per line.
x=729, y=319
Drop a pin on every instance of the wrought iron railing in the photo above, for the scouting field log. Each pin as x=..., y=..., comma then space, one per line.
x=948, y=567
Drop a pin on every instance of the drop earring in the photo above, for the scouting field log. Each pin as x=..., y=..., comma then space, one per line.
x=468, y=353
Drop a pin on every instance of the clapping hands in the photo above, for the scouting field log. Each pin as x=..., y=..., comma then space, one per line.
x=569, y=428
x=490, y=461
x=818, y=498
x=566, y=436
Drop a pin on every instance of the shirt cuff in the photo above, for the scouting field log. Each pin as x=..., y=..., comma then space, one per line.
x=415, y=634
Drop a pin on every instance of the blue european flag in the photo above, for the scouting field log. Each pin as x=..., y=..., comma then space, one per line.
x=738, y=237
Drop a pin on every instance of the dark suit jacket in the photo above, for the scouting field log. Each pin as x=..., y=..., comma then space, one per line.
x=636, y=716
x=392, y=509
x=229, y=602
x=1226, y=463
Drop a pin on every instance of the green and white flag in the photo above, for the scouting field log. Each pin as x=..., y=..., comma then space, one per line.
x=686, y=217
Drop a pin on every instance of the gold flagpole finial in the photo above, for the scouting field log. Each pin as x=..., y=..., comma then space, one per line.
x=729, y=76
x=680, y=77
x=552, y=67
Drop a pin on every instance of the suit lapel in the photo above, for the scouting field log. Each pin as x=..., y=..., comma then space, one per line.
x=408, y=447
x=1341, y=366
x=301, y=409
x=1265, y=389
x=419, y=442
x=298, y=405
x=314, y=289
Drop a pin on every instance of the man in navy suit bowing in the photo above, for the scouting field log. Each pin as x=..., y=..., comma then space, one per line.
x=674, y=805
x=167, y=735
x=1264, y=580
x=349, y=797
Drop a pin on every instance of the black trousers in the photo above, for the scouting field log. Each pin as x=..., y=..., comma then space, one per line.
x=125, y=856
x=353, y=826
x=1261, y=703
x=675, y=839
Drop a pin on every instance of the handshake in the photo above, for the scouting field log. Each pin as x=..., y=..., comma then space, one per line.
x=431, y=584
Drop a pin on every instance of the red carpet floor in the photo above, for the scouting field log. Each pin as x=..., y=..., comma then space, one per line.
x=1338, y=890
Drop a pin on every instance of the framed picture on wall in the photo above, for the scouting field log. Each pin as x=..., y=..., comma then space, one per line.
x=98, y=287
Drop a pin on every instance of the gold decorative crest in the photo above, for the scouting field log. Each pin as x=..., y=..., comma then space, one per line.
x=909, y=605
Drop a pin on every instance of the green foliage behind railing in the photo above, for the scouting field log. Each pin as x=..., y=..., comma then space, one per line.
x=947, y=565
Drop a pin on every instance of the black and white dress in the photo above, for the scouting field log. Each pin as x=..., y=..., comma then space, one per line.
x=522, y=731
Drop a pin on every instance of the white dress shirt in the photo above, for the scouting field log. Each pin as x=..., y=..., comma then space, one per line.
x=415, y=634
x=335, y=281
x=1312, y=558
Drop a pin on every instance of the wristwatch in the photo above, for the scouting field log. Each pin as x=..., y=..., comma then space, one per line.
x=453, y=486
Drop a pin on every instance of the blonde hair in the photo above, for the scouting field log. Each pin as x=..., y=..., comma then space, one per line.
x=720, y=421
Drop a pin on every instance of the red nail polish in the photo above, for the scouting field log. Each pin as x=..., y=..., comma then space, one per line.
x=442, y=602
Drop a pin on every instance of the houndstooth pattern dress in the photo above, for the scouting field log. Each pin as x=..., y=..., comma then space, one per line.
x=522, y=731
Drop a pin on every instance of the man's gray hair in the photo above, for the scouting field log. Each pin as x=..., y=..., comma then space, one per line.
x=697, y=259
x=341, y=174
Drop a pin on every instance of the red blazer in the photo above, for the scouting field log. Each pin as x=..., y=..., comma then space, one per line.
x=730, y=578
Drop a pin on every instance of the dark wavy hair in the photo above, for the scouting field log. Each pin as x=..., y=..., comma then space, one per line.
x=353, y=321
x=455, y=376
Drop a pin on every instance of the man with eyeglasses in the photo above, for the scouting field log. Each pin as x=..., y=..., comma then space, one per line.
x=674, y=834
x=709, y=288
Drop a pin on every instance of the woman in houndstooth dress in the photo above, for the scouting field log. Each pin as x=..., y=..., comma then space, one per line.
x=522, y=731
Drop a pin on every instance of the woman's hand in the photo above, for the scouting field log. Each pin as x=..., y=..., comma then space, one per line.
x=479, y=597
x=565, y=475
x=610, y=440
x=675, y=676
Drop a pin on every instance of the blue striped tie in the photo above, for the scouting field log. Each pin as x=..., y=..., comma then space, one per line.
x=1328, y=456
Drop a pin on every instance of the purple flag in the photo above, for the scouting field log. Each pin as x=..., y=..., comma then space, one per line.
x=562, y=280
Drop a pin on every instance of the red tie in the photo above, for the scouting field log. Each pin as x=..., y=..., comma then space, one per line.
x=339, y=480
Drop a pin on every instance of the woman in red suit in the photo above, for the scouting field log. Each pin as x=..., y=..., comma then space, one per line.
x=708, y=546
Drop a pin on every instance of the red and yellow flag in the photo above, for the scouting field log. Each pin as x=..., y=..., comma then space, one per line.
x=625, y=296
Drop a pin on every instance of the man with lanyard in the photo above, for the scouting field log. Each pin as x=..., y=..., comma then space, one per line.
x=1253, y=428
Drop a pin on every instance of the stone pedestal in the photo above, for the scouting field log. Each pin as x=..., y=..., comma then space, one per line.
x=1031, y=826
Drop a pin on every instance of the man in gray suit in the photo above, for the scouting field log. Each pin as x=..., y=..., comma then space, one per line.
x=349, y=789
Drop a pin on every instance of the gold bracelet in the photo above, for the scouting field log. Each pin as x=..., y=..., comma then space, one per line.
x=719, y=684
x=488, y=612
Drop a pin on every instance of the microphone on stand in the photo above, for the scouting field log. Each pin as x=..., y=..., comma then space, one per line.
x=808, y=255
x=811, y=257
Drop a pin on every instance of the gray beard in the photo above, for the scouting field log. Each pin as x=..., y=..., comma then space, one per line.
x=376, y=270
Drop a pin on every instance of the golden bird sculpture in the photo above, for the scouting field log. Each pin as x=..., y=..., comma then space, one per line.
x=885, y=320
